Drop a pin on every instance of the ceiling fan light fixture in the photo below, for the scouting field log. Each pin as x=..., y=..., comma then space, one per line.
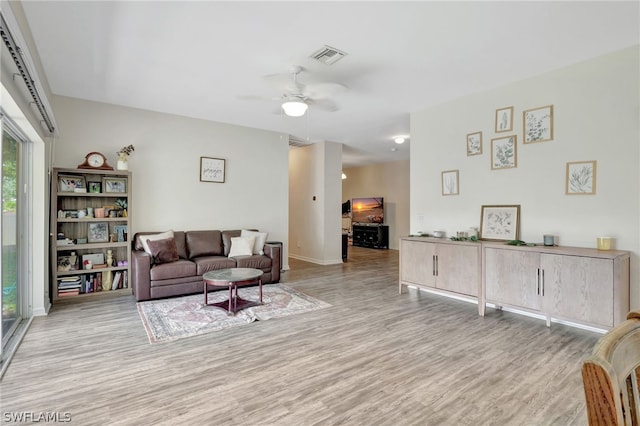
x=294, y=108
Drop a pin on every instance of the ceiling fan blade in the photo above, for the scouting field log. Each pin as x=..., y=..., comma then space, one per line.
x=259, y=98
x=323, y=105
x=324, y=90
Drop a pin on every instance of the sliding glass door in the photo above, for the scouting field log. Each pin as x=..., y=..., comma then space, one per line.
x=12, y=297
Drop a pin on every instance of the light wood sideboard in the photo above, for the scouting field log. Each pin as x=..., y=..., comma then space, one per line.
x=442, y=266
x=572, y=284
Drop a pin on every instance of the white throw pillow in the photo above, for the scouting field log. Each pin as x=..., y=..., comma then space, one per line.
x=154, y=237
x=260, y=237
x=241, y=246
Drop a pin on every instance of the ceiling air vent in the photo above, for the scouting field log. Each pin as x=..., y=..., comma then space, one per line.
x=328, y=55
x=297, y=143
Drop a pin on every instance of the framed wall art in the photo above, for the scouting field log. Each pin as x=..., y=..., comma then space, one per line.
x=504, y=119
x=504, y=152
x=450, y=182
x=581, y=178
x=69, y=183
x=500, y=223
x=118, y=185
x=98, y=232
x=212, y=169
x=474, y=143
x=538, y=124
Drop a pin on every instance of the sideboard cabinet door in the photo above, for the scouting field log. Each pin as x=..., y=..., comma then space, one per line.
x=511, y=277
x=417, y=263
x=578, y=288
x=458, y=268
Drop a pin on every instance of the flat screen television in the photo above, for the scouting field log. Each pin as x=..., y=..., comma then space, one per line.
x=367, y=210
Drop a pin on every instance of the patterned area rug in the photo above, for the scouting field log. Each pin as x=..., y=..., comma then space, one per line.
x=179, y=317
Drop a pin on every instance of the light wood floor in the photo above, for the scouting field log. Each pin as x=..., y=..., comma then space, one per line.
x=374, y=358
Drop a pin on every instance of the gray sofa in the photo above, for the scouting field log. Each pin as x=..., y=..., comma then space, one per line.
x=197, y=252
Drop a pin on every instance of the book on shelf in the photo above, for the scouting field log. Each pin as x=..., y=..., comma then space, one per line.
x=125, y=279
x=70, y=292
x=116, y=280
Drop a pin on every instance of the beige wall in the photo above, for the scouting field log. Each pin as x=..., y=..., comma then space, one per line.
x=314, y=209
x=167, y=192
x=596, y=117
x=388, y=180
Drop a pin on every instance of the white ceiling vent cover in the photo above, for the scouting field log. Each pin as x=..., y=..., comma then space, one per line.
x=328, y=55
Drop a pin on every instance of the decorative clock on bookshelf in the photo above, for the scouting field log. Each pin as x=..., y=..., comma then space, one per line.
x=96, y=161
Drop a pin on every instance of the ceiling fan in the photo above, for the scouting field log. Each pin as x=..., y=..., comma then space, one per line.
x=297, y=96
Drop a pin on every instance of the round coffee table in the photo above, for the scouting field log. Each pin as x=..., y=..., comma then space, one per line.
x=232, y=278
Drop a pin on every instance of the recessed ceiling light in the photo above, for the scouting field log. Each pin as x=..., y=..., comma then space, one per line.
x=394, y=149
x=399, y=140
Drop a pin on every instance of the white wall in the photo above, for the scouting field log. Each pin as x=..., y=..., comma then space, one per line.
x=167, y=192
x=596, y=117
x=388, y=180
x=315, y=224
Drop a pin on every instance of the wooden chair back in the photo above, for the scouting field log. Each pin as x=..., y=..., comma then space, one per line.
x=611, y=375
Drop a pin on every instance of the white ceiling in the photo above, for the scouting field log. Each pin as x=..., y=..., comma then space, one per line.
x=198, y=59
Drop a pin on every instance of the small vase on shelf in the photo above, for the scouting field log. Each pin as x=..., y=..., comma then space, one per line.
x=123, y=161
x=123, y=157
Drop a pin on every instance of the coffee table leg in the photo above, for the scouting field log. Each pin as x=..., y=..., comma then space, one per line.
x=260, y=285
x=205, y=292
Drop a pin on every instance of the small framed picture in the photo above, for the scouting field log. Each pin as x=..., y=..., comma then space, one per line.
x=581, y=178
x=538, y=124
x=450, y=182
x=504, y=154
x=98, y=232
x=64, y=264
x=500, y=223
x=121, y=232
x=504, y=119
x=69, y=183
x=114, y=184
x=212, y=169
x=474, y=143
x=94, y=187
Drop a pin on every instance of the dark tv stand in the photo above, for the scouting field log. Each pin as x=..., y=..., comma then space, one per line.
x=371, y=236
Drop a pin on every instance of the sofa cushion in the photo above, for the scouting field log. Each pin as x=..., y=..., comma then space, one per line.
x=204, y=243
x=153, y=237
x=260, y=238
x=163, y=251
x=212, y=263
x=178, y=236
x=178, y=269
x=226, y=239
x=256, y=262
x=241, y=246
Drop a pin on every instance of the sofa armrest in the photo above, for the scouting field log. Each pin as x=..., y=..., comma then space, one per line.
x=140, y=272
x=273, y=251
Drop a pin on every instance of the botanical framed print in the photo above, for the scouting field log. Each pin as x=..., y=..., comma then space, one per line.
x=504, y=119
x=581, y=178
x=450, y=182
x=98, y=232
x=500, y=223
x=474, y=143
x=504, y=152
x=118, y=185
x=69, y=183
x=212, y=169
x=538, y=124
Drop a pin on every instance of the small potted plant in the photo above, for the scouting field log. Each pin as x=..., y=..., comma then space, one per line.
x=123, y=157
x=122, y=204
